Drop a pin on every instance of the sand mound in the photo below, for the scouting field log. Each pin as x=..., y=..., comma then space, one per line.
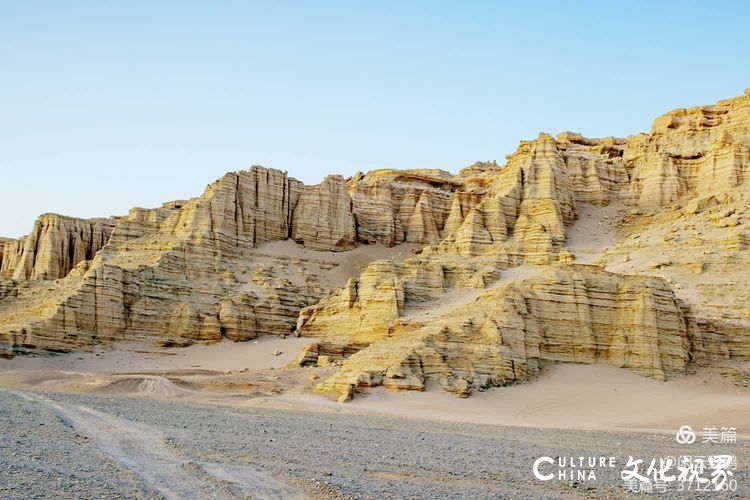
x=148, y=385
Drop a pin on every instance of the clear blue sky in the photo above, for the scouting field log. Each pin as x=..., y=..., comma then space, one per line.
x=108, y=105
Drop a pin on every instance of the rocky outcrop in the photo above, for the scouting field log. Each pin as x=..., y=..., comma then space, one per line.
x=576, y=314
x=596, y=167
x=112, y=299
x=692, y=165
x=370, y=304
x=696, y=151
x=187, y=271
x=702, y=250
x=323, y=218
x=197, y=270
x=393, y=207
x=242, y=209
x=54, y=247
x=3, y=241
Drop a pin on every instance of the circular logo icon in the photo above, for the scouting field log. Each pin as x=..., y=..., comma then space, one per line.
x=685, y=435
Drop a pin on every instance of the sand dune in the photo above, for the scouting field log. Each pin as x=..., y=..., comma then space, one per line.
x=599, y=397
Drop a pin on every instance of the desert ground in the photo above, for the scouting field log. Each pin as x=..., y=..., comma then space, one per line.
x=140, y=422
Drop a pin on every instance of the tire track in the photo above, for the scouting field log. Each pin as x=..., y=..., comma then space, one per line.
x=141, y=448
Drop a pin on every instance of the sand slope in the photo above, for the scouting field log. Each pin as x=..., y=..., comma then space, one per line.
x=566, y=396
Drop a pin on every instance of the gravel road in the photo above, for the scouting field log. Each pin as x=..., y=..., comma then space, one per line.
x=73, y=446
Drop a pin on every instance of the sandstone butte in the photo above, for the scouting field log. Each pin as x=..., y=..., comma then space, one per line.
x=493, y=289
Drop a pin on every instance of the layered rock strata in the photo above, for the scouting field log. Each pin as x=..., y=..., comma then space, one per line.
x=3, y=241
x=54, y=247
x=703, y=250
x=696, y=151
x=577, y=314
x=324, y=219
x=187, y=271
x=197, y=270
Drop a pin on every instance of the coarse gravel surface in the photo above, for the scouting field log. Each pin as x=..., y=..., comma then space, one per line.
x=56, y=445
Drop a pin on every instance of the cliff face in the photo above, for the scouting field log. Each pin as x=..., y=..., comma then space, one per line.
x=259, y=253
x=188, y=271
x=696, y=151
x=54, y=247
x=323, y=219
x=685, y=182
x=242, y=209
x=574, y=314
x=392, y=206
x=3, y=241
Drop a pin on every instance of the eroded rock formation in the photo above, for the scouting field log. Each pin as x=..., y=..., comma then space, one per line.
x=696, y=151
x=54, y=247
x=324, y=220
x=575, y=314
x=472, y=307
x=187, y=271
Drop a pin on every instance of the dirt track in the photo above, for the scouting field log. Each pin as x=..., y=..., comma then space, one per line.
x=73, y=446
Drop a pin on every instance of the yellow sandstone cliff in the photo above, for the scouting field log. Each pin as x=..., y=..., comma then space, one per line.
x=490, y=294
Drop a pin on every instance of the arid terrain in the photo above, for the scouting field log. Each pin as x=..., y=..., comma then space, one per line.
x=407, y=333
x=147, y=447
